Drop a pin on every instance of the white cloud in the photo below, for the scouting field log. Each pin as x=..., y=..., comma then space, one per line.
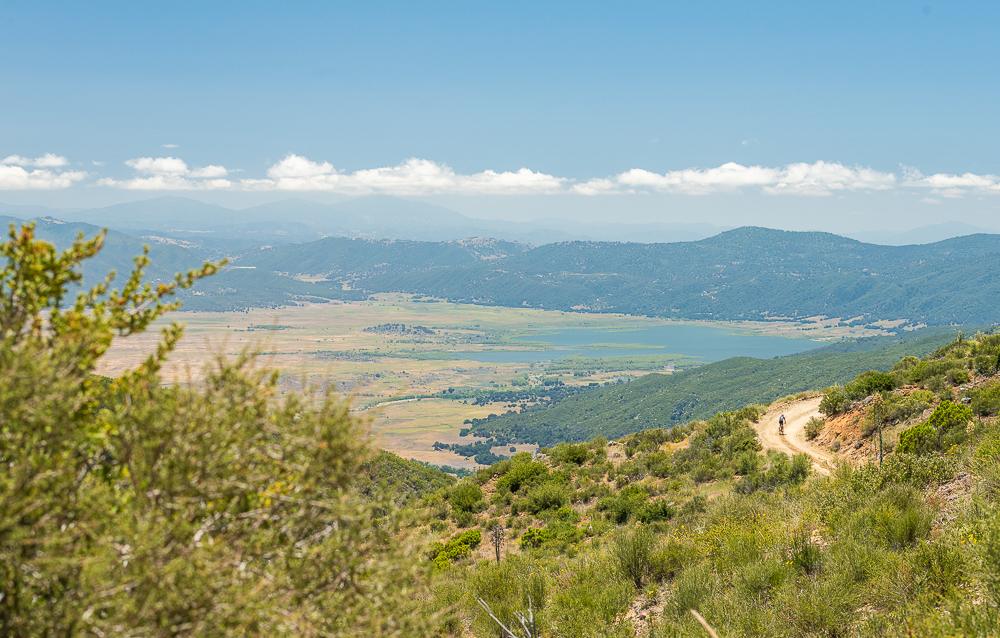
x=412, y=177
x=96, y=163
x=19, y=178
x=158, y=165
x=170, y=174
x=169, y=146
x=417, y=177
x=819, y=178
x=166, y=183
x=296, y=166
x=212, y=170
x=15, y=173
x=953, y=186
x=49, y=160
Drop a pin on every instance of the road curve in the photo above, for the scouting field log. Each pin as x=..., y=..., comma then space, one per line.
x=793, y=441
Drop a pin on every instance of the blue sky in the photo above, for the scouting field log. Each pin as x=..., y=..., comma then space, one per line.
x=882, y=112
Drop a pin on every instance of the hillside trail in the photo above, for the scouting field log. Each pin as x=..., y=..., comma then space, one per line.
x=793, y=441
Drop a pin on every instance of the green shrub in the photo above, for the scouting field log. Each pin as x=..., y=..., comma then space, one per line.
x=544, y=497
x=463, y=519
x=467, y=497
x=927, y=370
x=758, y=580
x=693, y=587
x=747, y=463
x=667, y=560
x=920, y=439
x=704, y=471
x=901, y=407
x=984, y=364
x=958, y=376
x=938, y=384
x=624, y=505
x=902, y=468
x=897, y=518
x=938, y=568
x=521, y=473
x=633, y=470
x=442, y=554
x=589, y=599
x=658, y=510
x=906, y=364
x=868, y=383
x=985, y=400
x=990, y=558
x=930, y=436
x=533, y=537
x=805, y=554
x=834, y=402
x=631, y=551
x=696, y=505
x=576, y=454
x=813, y=427
x=508, y=587
x=820, y=607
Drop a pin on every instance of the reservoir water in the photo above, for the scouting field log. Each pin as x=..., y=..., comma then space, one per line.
x=705, y=344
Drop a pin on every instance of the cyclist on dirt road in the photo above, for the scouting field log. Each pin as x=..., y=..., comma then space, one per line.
x=781, y=424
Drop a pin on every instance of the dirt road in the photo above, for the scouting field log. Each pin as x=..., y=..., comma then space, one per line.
x=797, y=414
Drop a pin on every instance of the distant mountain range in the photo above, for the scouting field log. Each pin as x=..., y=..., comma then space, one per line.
x=922, y=235
x=743, y=274
x=218, y=231
x=118, y=251
x=746, y=273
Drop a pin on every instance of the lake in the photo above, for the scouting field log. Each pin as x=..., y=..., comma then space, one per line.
x=703, y=343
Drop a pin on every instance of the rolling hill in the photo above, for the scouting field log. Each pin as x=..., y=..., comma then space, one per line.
x=743, y=274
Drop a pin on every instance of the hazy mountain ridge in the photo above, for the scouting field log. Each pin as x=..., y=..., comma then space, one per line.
x=351, y=259
x=742, y=274
x=375, y=217
x=118, y=252
x=748, y=273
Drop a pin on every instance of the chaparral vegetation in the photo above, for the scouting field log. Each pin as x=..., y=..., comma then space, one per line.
x=133, y=507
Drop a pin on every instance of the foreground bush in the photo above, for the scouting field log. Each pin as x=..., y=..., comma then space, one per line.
x=946, y=426
x=128, y=508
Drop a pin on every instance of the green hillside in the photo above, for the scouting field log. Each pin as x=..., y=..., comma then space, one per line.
x=627, y=538
x=748, y=273
x=236, y=289
x=341, y=258
x=657, y=400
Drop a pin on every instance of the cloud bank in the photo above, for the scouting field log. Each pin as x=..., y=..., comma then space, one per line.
x=15, y=173
x=420, y=177
x=412, y=177
x=818, y=179
x=170, y=174
x=953, y=186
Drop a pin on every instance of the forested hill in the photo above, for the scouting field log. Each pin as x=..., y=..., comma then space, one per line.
x=341, y=258
x=662, y=401
x=747, y=273
x=118, y=252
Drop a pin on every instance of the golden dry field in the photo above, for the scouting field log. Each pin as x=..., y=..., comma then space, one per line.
x=316, y=344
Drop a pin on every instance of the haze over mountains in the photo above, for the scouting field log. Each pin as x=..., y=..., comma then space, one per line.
x=385, y=244
x=216, y=229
